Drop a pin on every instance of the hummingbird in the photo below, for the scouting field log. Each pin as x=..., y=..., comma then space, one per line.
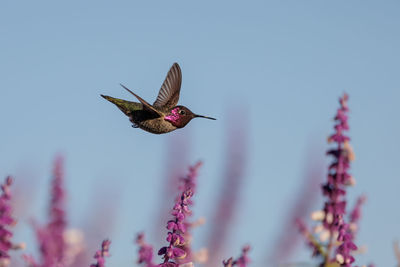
x=164, y=115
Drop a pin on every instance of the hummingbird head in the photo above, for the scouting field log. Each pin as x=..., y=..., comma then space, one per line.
x=179, y=116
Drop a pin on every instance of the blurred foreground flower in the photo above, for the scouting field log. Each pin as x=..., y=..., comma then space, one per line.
x=396, y=248
x=58, y=246
x=231, y=188
x=51, y=236
x=145, y=252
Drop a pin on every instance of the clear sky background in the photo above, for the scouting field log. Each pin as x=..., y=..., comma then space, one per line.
x=283, y=64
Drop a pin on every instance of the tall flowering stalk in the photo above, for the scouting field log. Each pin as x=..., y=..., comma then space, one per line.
x=177, y=229
x=101, y=255
x=189, y=183
x=51, y=236
x=335, y=233
x=178, y=252
x=6, y=220
x=335, y=190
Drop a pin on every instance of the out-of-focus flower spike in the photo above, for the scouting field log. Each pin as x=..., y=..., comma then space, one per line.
x=355, y=215
x=179, y=146
x=51, y=236
x=190, y=180
x=307, y=193
x=100, y=255
x=396, y=248
x=145, y=251
x=229, y=196
x=200, y=256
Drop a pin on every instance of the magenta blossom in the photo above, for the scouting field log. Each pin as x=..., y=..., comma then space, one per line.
x=101, y=255
x=6, y=220
x=242, y=261
x=145, y=251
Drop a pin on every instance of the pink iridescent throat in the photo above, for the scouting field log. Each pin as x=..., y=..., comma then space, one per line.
x=173, y=117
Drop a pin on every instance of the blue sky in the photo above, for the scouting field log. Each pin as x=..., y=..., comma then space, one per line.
x=283, y=64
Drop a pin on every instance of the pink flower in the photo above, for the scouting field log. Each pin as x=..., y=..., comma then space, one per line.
x=6, y=220
x=101, y=254
x=242, y=261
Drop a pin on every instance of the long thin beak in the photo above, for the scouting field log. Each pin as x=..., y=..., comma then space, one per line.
x=201, y=116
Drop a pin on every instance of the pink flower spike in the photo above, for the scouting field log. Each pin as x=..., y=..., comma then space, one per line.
x=177, y=251
x=51, y=235
x=336, y=234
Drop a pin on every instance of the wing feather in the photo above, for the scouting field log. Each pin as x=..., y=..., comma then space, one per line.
x=168, y=96
x=144, y=102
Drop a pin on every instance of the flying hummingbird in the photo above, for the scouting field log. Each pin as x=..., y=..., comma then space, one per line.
x=164, y=115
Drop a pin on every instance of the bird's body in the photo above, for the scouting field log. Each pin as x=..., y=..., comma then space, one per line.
x=140, y=118
x=163, y=116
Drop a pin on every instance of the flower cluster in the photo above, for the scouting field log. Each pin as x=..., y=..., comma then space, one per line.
x=242, y=261
x=145, y=251
x=338, y=176
x=6, y=220
x=101, y=254
x=177, y=229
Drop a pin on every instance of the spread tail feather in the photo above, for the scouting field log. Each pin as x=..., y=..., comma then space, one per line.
x=127, y=107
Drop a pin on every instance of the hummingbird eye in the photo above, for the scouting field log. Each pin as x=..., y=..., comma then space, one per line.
x=182, y=112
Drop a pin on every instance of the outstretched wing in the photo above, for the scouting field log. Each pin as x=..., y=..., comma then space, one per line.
x=144, y=102
x=169, y=93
